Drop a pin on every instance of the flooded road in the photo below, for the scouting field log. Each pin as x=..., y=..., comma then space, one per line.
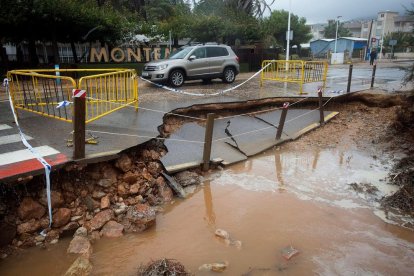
x=269, y=202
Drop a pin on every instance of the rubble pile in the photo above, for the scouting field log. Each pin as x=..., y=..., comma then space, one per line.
x=103, y=199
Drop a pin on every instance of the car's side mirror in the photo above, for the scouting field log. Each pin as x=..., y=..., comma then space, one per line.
x=191, y=58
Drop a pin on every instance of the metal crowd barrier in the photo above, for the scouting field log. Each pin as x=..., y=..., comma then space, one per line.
x=294, y=71
x=40, y=91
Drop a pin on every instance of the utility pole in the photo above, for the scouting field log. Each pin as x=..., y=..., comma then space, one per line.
x=288, y=34
x=336, y=33
x=384, y=22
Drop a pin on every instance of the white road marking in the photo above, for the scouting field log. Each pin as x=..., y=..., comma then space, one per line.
x=14, y=138
x=23, y=155
x=3, y=127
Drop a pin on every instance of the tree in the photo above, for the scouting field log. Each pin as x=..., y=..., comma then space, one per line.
x=404, y=40
x=255, y=8
x=409, y=77
x=216, y=20
x=59, y=21
x=330, y=30
x=276, y=25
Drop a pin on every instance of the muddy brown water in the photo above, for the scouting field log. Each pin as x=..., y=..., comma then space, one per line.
x=274, y=200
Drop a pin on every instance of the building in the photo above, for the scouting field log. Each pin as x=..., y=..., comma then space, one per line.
x=355, y=27
x=353, y=46
x=373, y=29
x=318, y=30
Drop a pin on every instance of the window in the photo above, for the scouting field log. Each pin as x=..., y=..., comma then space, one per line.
x=382, y=15
x=199, y=53
x=217, y=52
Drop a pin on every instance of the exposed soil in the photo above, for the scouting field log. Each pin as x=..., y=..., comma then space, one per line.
x=381, y=125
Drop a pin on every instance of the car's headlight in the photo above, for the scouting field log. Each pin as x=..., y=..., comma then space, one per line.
x=161, y=67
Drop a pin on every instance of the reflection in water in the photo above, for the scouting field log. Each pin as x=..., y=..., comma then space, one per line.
x=208, y=202
x=279, y=174
x=315, y=159
x=318, y=175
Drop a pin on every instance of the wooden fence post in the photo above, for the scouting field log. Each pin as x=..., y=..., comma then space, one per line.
x=321, y=116
x=79, y=126
x=208, y=138
x=373, y=75
x=282, y=121
x=348, y=88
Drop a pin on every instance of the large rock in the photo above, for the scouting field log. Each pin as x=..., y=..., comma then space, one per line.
x=139, y=217
x=81, y=231
x=166, y=193
x=134, y=188
x=7, y=233
x=28, y=227
x=98, y=194
x=106, y=182
x=147, y=175
x=109, y=172
x=56, y=199
x=112, y=229
x=103, y=170
x=154, y=168
x=80, y=267
x=69, y=228
x=122, y=190
x=151, y=154
x=187, y=178
x=100, y=219
x=124, y=163
x=30, y=209
x=61, y=217
x=80, y=245
x=131, y=177
x=105, y=202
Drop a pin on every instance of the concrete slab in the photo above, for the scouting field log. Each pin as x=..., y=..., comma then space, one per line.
x=251, y=135
x=296, y=120
x=236, y=138
x=185, y=149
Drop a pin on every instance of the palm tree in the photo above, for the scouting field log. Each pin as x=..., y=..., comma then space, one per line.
x=252, y=7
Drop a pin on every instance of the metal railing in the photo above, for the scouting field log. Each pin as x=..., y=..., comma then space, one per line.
x=294, y=71
x=40, y=91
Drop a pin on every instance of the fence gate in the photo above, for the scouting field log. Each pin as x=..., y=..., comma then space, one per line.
x=40, y=91
x=295, y=71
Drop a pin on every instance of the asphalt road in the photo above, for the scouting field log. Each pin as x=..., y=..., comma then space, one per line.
x=126, y=128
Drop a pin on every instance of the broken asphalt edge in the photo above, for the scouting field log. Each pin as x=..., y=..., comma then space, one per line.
x=111, y=155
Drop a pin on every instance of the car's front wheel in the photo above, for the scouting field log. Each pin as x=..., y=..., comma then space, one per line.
x=229, y=75
x=176, y=78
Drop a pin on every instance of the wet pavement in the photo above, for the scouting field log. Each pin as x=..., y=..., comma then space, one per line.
x=126, y=128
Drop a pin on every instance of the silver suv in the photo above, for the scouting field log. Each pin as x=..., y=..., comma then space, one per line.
x=204, y=62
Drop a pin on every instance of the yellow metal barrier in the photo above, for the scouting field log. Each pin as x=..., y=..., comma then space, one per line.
x=40, y=91
x=294, y=71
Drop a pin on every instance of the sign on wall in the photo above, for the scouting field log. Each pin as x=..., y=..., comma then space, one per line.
x=128, y=54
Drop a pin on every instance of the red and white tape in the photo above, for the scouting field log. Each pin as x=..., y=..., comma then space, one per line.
x=78, y=93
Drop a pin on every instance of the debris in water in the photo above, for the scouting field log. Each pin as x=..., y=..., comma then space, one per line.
x=289, y=252
x=165, y=267
x=226, y=236
x=216, y=267
x=222, y=234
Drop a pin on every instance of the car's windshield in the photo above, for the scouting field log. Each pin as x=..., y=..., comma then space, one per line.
x=181, y=53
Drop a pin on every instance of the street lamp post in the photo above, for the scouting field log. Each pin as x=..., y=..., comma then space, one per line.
x=383, y=33
x=288, y=33
x=336, y=33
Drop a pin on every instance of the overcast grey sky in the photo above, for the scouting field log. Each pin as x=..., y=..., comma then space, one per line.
x=319, y=11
